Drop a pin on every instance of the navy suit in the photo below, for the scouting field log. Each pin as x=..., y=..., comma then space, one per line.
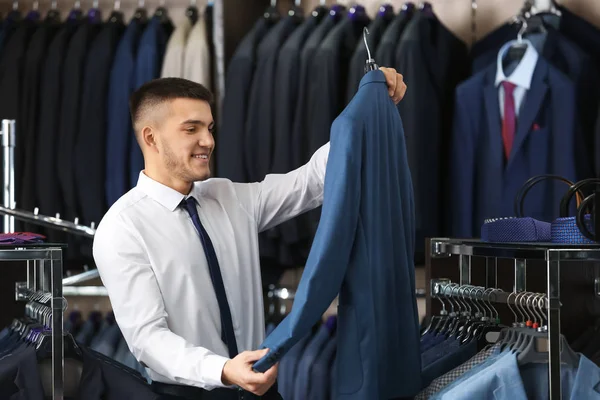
x=119, y=131
x=148, y=62
x=546, y=142
x=230, y=154
x=322, y=372
x=363, y=249
x=309, y=357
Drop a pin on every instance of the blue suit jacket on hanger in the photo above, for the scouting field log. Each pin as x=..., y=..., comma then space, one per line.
x=363, y=250
x=547, y=141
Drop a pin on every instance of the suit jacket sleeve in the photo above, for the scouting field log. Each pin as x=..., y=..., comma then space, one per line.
x=280, y=197
x=462, y=155
x=331, y=249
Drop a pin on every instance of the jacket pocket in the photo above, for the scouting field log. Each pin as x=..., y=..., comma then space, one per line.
x=349, y=361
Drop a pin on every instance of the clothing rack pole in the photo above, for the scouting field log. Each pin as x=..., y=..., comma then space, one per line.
x=50, y=222
x=8, y=150
x=553, y=291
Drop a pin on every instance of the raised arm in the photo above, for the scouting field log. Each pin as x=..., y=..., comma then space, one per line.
x=280, y=197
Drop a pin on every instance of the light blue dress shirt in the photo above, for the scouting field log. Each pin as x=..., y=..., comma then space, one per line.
x=518, y=73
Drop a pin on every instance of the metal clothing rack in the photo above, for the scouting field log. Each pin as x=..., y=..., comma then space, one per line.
x=521, y=253
x=44, y=277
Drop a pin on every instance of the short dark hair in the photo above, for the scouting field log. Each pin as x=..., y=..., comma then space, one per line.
x=160, y=90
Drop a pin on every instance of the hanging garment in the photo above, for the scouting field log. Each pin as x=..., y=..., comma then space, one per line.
x=580, y=31
x=119, y=130
x=321, y=381
x=101, y=378
x=567, y=57
x=12, y=67
x=148, y=62
x=357, y=63
x=434, y=61
x=230, y=158
x=258, y=141
x=309, y=356
x=90, y=146
x=546, y=142
x=174, y=55
x=73, y=83
x=370, y=263
x=48, y=192
x=29, y=112
x=300, y=151
x=386, y=51
x=285, y=103
x=196, y=59
x=286, y=377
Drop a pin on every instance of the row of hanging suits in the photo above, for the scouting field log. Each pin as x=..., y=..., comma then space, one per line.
x=290, y=77
x=556, y=94
x=67, y=84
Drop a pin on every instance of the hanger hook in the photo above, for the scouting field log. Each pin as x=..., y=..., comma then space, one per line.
x=15, y=5
x=365, y=33
x=510, y=307
x=522, y=30
x=536, y=307
x=483, y=295
x=273, y=3
x=36, y=5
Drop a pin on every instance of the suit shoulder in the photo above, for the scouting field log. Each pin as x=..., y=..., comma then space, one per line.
x=475, y=82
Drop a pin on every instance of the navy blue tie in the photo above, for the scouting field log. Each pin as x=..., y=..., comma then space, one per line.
x=227, y=333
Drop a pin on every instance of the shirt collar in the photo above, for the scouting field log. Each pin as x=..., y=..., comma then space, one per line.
x=522, y=75
x=168, y=197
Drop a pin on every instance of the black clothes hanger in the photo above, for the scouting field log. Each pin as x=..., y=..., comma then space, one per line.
x=358, y=14
x=141, y=14
x=34, y=14
x=75, y=14
x=271, y=14
x=426, y=9
x=320, y=11
x=94, y=14
x=53, y=14
x=192, y=12
x=296, y=11
x=386, y=11
x=116, y=16
x=162, y=13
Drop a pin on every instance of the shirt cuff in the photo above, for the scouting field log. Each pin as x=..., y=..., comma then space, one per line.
x=212, y=369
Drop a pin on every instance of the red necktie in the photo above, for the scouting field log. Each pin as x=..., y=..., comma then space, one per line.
x=510, y=119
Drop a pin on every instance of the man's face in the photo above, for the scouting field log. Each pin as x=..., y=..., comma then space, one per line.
x=185, y=141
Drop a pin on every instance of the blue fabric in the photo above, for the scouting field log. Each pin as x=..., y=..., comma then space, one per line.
x=227, y=332
x=288, y=366
x=120, y=131
x=107, y=345
x=122, y=352
x=104, y=328
x=451, y=357
x=432, y=341
x=148, y=63
x=448, y=346
x=363, y=249
x=501, y=377
x=322, y=372
x=86, y=333
x=547, y=141
x=311, y=353
x=566, y=231
x=515, y=230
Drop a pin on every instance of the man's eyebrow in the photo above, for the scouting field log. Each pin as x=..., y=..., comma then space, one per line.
x=196, y=122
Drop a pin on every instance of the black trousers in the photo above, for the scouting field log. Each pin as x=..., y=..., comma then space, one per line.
x=180, y=392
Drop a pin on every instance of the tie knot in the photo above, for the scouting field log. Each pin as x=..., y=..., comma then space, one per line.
x=509, y=87
x=190, y=205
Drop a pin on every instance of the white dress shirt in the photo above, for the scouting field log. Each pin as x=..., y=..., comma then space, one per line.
x=152, y=263
x=174, y=55
x=196, y=64
x=520, y=76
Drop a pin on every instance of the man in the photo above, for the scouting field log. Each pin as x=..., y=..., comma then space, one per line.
x=178, y=253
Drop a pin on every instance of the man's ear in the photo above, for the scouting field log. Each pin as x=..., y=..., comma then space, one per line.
x=149, y=137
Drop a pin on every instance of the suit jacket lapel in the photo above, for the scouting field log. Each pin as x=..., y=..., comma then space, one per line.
x=533, y=101
x=492, y=109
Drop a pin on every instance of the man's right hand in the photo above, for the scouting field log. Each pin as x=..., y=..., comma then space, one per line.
x=238, y=371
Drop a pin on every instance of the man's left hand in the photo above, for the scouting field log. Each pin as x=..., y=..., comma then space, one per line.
x=395, y=83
